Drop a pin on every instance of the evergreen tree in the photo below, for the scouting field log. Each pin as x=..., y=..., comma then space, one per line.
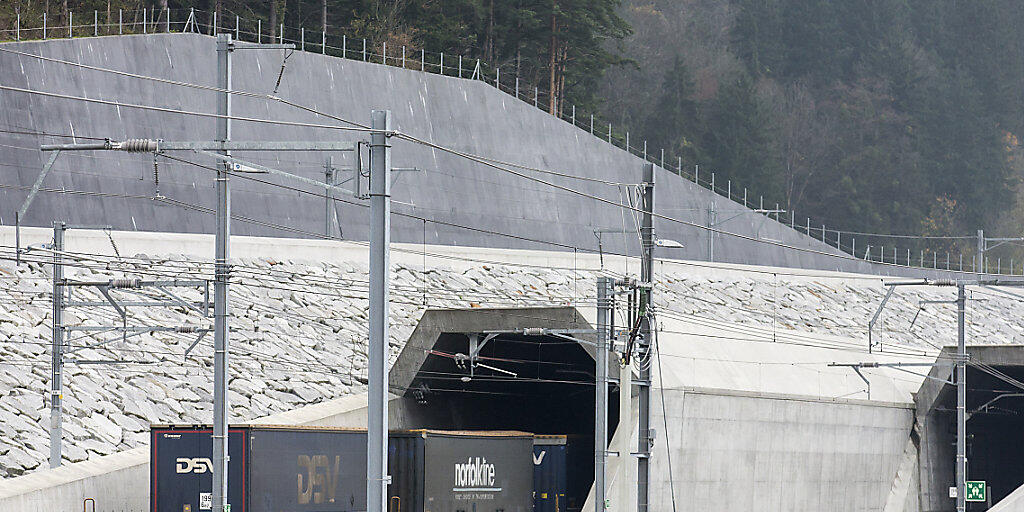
x=673, y=123
x=736, y=140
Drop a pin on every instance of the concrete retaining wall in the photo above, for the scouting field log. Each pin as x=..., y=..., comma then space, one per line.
x=732, y=451
x=464, y=114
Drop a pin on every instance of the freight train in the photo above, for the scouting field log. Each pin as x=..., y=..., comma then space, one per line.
x=316, y=469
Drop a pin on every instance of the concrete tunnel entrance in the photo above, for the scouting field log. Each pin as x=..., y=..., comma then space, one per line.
x=995, y=420
x=542, y=384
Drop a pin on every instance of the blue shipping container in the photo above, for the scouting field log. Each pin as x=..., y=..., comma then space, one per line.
x=550, y=474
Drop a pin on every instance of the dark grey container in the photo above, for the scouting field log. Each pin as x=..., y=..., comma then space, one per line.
x=446, y=471
x=271, y=468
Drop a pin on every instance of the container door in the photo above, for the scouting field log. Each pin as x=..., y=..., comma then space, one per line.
x=181, y=465
x=478, y=474
x=549, y=478
x=308, y=471
x=405, y=466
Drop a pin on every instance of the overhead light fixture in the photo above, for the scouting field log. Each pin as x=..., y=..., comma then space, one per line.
x=669, y=244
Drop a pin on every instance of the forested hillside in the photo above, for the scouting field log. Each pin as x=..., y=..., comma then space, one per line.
x=881, y=115
x=890, y=116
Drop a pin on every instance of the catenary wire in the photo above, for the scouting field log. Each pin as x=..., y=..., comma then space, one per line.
x=284, y=101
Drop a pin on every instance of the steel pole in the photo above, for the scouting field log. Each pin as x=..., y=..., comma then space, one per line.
x=627, y=470
x=961, y=403
x=601, y=396
x=380, y=240
x=57, y=351
x=980, y=266
x=646, y=326
x=328, y=195
x=712, y=220
x=220, y=290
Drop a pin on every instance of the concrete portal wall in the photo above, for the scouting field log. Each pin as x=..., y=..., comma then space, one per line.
x=732, y=451
x=463, y=114
x=116, y=483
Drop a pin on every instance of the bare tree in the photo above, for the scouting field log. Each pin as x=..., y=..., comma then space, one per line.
x=804, y=135
x=273, y=18
x=163, y=12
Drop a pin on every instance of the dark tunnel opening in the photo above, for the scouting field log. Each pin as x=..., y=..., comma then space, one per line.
x=538, y=384
x=995, y=412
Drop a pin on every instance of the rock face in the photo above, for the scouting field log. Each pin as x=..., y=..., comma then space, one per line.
x=298, y=334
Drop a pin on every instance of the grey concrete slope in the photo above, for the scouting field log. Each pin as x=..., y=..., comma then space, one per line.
x=463, y=114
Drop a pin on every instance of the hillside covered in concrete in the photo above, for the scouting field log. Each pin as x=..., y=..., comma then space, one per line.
x=433, y=206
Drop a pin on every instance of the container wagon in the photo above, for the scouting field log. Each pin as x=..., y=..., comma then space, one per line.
x=317, y=469
x=444, y=471
x=271, y=468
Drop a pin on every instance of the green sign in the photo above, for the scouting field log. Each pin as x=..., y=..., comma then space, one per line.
x=976, y=491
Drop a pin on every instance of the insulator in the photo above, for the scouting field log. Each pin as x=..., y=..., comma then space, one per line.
x=186, y=329
x=125, y=283
x=943, y=282
x=533, y=331
x=139, y=145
